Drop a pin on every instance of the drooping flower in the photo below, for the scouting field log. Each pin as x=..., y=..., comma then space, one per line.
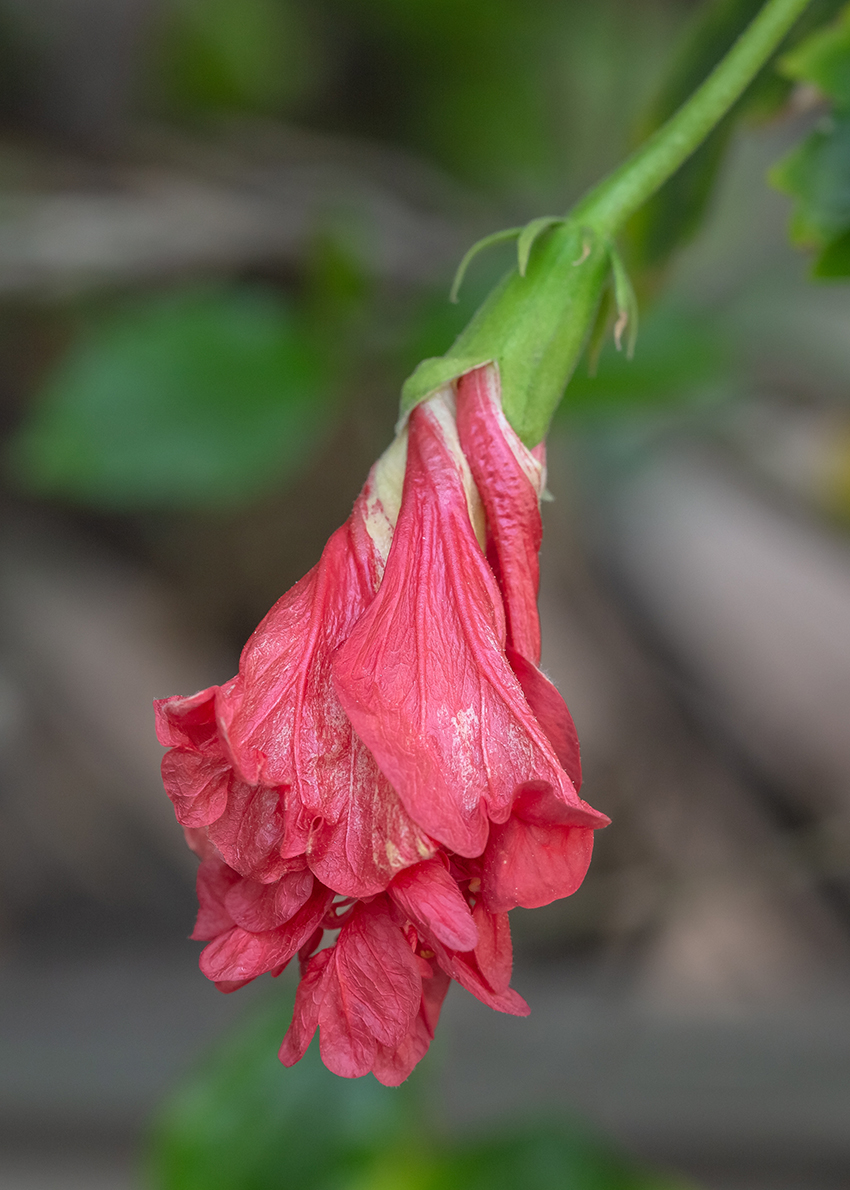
x=390, y=765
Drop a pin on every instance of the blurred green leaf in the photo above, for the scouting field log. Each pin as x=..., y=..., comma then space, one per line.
x=679, y=353
x=242, y=1121
x=548, y=1156
x=245, y=1122
x=222, y=55
x=675, y=213
x=816, y=174
x=199, y=398
x=823, y=59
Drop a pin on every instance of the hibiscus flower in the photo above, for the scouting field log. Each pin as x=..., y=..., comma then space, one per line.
x=390, y=771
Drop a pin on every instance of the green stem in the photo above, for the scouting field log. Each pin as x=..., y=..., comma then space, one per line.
x=615, y=198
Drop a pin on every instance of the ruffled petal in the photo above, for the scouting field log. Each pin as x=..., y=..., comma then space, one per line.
x=373, y=840
x=423, y=676
x=551, y=713
x=214, y=880
x=486, y=970
x=258, y=907
x=281, y=719
x=431, y=899
x=392, y=1066
x=197, y=784
x=187, y=722
x=308, y=999
x=241, y=954
x=536, y=857
x=251, y=830
x=366, y=994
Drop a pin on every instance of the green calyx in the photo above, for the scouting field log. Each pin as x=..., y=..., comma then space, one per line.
x=535, y=323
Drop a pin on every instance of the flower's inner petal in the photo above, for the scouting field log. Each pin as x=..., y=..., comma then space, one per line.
x=393, y=1065
x=250, y=832
x=373, y=840
x=242, y=954
x=258, y=907
x=506, y=475
x=186, y=722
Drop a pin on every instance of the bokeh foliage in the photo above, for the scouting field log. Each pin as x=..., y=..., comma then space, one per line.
x=242, y=1121
x=817, y=173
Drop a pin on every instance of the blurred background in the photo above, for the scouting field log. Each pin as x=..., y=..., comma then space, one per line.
x=227, y=233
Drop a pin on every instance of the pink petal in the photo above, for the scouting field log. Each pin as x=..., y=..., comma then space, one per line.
x=511, y=500
x=486, y=971
x=365, y=993
x=551, y=713
x=240, y=954
x=214, y=881
x=393, y=1066
x=423, y=676
x=250, y=832
x=430, y=897
x=280, y=717
x=258, y=907
x=535, y=857
x=494, y=952
x=375, y=839
x=197, y=784
x=378, y=976
x=186, y=722
x=305, y=1018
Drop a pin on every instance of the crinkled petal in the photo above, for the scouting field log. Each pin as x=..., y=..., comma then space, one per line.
x=214, y=881
x=308, y=998
x=365, y=994
x=197, y=784
x=250, y=832
x=375, y=839
x=509, y=480
x=551, y=713
x=377, y=972
x=430, y=897
x=187, y=722
x=241, y=954
x=486, y=971
x=281, y=719
x=423, y=676
x=393, y=1066
x=258, y=907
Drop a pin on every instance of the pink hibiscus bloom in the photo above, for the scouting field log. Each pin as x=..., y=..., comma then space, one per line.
x=390, y=771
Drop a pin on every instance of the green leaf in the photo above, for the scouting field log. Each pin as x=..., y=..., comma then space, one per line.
x=217, y=55
x=554, y=1155
x=199, y=398
x=243, y=1121
x=834, y=260
x=823, y=59
x=675, y=213
x=681, y=354
x=817, y=176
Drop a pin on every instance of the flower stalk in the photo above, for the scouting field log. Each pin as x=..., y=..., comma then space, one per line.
x=534, y=325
